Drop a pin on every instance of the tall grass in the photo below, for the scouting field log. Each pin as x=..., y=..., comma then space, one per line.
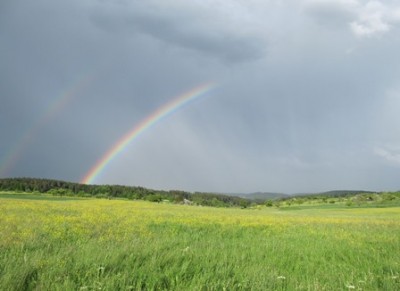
x=125, y=245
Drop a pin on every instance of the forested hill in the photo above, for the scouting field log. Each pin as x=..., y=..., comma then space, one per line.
x=63, y=188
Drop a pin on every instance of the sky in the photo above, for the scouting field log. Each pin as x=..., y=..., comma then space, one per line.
x=305, y=98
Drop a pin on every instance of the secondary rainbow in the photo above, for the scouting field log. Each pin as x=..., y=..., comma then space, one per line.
x=155, y=117
x=58, y=104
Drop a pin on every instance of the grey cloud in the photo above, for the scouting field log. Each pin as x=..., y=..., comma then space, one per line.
x=331, y=12
x=189, y=27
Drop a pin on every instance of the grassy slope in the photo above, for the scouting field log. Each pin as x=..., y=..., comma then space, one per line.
x=119, y=245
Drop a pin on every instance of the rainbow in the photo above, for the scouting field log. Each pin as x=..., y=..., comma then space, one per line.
x=155, y=117
x=11, y=157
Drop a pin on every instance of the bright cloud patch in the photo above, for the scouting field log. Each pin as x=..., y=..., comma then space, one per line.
x=365, y=18
x=373, y=18
x=391, y=154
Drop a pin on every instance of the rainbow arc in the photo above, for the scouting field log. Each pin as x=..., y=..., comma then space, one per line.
x=155, y=117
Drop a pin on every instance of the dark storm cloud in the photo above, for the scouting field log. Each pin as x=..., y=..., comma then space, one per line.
x=190, y=26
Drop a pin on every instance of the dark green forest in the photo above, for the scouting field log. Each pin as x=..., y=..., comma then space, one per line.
x=62, y=188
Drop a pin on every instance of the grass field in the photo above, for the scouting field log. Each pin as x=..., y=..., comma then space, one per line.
x=92, y=244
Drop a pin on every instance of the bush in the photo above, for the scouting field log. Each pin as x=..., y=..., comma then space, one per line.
x=154, y=198
x=268, y=203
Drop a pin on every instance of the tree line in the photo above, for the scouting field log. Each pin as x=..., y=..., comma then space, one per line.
x=63, y=188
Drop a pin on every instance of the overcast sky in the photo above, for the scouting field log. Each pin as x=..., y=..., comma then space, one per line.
x=307, y=96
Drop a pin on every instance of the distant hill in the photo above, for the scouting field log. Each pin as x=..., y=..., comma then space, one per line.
x=334, y=193
x=262, y=195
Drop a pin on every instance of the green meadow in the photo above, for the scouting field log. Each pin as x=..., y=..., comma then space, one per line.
x=53, y=243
